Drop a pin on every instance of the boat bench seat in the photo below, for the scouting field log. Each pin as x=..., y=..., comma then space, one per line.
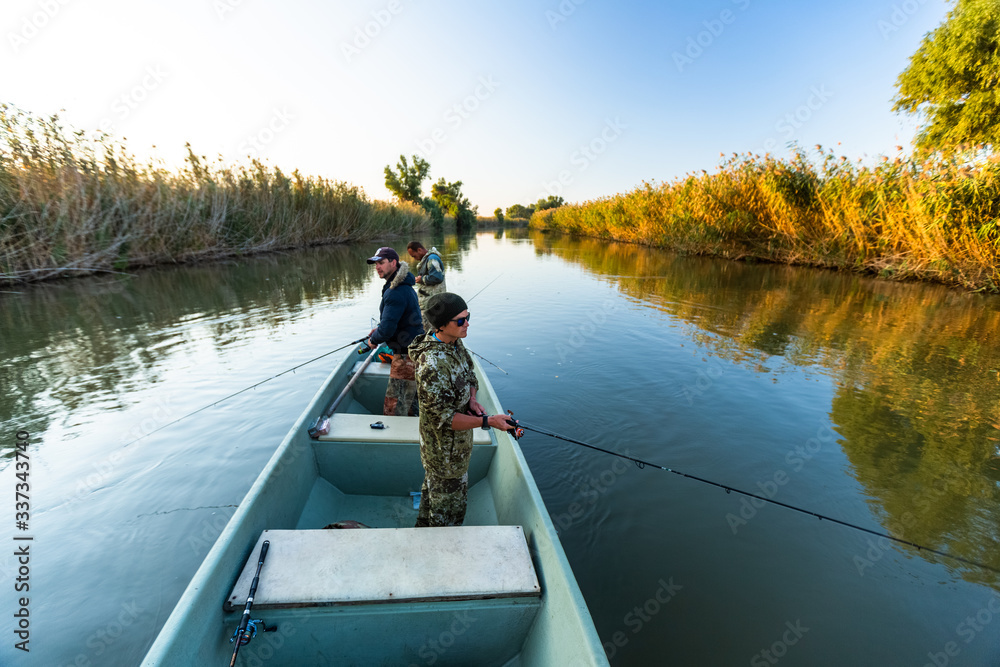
x=326, y=568
x=357, y=428
x=359, y=459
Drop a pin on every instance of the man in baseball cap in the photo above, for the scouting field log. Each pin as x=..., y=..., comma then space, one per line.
x=399, y=323
x=384, y=252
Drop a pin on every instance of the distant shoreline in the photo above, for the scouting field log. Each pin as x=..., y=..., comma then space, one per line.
x=71, y=207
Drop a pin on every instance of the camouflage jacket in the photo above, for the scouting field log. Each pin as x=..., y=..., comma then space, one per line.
x=445, y=378
x=431, y=272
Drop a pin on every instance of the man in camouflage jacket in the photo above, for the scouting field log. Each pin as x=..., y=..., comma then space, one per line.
x=446, y=391
x=430, y=276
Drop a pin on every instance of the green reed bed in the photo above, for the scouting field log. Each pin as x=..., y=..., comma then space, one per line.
x=934, y=219
x=69, y=205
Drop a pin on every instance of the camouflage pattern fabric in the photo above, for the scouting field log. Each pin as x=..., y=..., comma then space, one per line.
x=442, y=501
x=445, y=378
x=430, y=269
x=401, y=393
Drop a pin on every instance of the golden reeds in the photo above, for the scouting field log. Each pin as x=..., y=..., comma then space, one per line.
x=935, y=219
x=69, y=205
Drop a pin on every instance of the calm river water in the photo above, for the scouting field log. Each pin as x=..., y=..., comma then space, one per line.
x=872, y=402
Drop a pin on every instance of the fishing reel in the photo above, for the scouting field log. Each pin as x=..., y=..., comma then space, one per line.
x=251, y=632
x=384, y=354
x=517, y=432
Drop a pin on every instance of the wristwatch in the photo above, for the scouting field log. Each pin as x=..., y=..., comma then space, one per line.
x=486, y=423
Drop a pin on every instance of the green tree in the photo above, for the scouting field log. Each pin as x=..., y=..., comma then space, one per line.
x=517, y=211
x=449, y=197
x=406, y=184
x=551, y=201
x=433, y=211
x=953, y=80
x=498, y=214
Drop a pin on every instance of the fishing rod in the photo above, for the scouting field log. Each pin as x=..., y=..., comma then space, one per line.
x=731, y=489
x=248, y=628
x=253, y=386
x=488, y=361
x=322, y=424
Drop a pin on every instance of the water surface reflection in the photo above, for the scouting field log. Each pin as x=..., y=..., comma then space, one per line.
x=916, y=368
x=877, y=401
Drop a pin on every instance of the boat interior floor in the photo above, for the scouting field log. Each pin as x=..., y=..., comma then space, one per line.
x=374, y=475
x=327, y=504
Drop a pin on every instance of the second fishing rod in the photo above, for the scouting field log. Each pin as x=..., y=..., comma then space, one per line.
x=521, y=427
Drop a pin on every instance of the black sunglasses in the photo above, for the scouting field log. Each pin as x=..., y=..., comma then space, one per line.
x=460, y=321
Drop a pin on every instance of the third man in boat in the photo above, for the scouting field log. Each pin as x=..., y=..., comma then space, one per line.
x=430, y=276
x=399, y=323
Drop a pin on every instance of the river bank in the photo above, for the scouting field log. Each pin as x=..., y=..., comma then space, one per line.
x=934, y=220
x=70, y=206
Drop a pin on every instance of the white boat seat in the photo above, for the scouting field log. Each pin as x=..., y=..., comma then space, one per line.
x=321, y=568
x=372, y=369
x=357, y=428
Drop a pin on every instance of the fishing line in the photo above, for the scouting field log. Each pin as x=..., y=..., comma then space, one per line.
x=470, y=301
x=731, y=489
x=253, y=386
x=487, y=285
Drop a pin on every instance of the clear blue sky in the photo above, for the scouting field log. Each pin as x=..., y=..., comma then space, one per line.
x=517, y=99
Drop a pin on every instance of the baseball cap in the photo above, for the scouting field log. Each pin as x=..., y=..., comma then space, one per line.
x=384, y=253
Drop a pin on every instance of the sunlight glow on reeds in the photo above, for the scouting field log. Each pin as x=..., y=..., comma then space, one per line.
x=71, y=205
x=934, y=219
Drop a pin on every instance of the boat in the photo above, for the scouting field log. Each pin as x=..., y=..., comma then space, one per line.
x=348, y=580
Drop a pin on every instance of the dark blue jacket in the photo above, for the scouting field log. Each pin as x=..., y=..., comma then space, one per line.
x=399, y=312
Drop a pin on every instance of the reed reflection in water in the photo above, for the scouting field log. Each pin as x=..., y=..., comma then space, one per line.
x=917, y=371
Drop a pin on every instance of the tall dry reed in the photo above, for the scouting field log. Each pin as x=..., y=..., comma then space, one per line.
x=934, y=219
x=71, y=205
